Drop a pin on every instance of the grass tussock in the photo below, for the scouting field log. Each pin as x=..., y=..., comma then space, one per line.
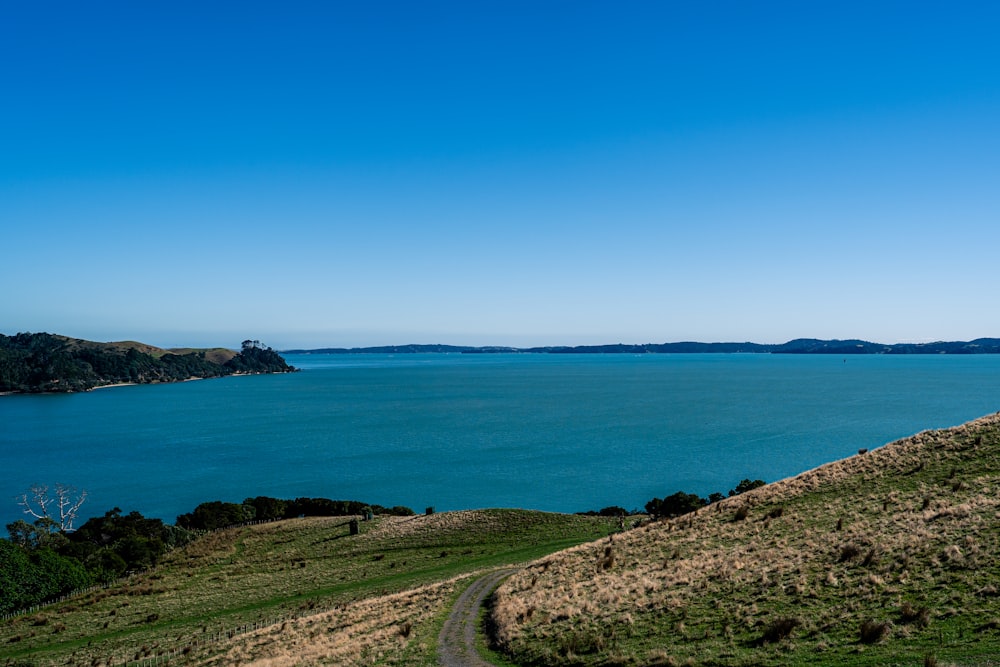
x=778, y=630
x=873, y=632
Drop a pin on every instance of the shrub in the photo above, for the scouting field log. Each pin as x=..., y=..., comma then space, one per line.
x=849, y=551
x=267, y=508
x=778, y=630
x=216, y=514
x=608, y=560
x=919, y=616
x=675, y=505
x=746, y=485
x=873, y=632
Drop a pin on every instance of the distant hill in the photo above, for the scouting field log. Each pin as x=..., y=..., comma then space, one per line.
x=42, y=362
x=797, y=346
x=813, y=346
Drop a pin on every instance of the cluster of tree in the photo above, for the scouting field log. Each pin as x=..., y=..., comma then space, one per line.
x=683, y=503
x=41, y=562
x=218, y=514
x=256, y=358
x=43, y=362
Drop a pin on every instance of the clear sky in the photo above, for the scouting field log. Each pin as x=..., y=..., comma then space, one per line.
x=362, y=173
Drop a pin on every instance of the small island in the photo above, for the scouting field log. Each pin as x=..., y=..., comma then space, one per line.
x=43, y=363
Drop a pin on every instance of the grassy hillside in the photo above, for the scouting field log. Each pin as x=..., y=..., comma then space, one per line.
x=216, y=355
x=118, y=346
x=891, y=557
x=386, y=589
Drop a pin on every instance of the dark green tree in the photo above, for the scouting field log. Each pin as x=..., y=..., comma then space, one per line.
x=746, y=485
x=216, y=514
x=674, y=505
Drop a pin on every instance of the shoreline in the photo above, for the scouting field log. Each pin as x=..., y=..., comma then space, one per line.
x=136, y=384
x=108, y=386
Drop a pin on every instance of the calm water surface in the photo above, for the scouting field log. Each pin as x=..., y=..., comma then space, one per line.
x=553, y=432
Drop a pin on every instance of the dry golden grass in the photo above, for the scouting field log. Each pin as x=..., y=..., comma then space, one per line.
x=914, y=522
x=394, y=629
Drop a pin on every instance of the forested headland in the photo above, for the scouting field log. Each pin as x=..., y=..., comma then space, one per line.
x=43, y=362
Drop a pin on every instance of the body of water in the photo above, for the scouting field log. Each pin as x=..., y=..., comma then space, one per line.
x=553, y=432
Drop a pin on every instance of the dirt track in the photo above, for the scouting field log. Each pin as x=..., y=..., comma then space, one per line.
x=457, y=642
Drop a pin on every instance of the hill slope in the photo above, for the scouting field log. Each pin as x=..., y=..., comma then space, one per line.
x=297, y=591
x=883, y=558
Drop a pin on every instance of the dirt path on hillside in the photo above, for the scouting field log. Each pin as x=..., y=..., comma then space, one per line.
x=457, y=642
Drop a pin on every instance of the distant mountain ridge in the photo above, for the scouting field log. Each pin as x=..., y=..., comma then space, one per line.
x=797, y=346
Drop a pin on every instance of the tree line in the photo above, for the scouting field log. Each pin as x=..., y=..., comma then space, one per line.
x=44, y=560
x=217, y=514
x=681, y=503
x=676, y=504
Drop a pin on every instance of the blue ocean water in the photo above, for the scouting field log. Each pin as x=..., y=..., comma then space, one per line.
x=553, y=432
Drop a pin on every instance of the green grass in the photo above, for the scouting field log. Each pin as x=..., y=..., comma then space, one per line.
x=283, y=570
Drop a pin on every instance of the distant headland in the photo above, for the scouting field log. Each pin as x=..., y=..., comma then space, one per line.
x=45, y=363
x=797, y=346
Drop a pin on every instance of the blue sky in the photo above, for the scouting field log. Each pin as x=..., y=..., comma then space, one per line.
x=333, y=173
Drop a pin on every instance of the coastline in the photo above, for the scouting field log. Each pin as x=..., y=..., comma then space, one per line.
x=136, y=384
x=116, y=384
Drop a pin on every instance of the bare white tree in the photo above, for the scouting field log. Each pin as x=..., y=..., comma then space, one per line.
x=37, y=502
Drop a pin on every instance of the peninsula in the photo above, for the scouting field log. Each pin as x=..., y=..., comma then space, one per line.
x=42, y=362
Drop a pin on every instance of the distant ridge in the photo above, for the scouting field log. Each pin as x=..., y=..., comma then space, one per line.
x=797, y=346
